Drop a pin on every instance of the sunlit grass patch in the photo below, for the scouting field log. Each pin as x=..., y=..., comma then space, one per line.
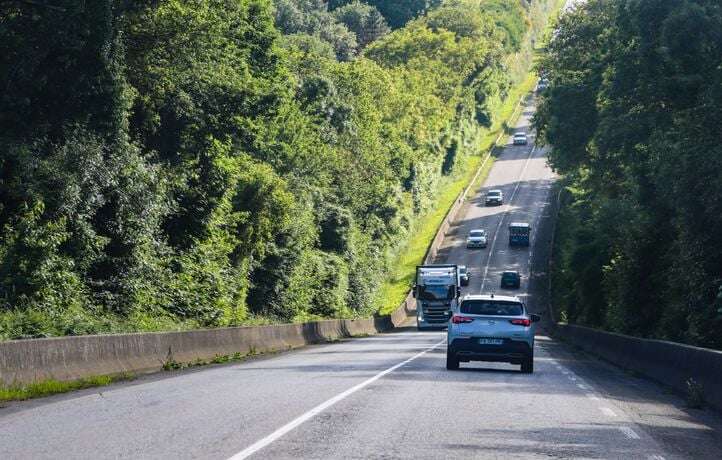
x=51, y=387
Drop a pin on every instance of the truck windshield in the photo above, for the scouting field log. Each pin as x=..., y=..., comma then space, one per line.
x=491, y=308
x=436, y=292
x=519, y=230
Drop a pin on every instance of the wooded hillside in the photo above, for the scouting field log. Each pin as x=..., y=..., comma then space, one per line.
x=200, y=163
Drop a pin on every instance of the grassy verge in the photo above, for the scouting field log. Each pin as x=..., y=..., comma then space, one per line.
x=551, y=25
x=397, y=286
x=51, y=387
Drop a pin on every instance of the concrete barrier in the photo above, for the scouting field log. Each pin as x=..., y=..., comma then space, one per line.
x=669, y=363
x=70, y=358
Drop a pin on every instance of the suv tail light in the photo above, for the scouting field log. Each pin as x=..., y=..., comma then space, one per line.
x=526, y=322
x=458, y=319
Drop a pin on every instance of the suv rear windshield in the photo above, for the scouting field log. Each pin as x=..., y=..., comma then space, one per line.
x=491, y=308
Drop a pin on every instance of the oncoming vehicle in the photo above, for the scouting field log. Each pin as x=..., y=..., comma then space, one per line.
x=494, y=197
x=519, y=234
x=437, y=291
x=476, y=239
x=491, y=328
x=519, y=139
x=463, y=275
x=510, y=279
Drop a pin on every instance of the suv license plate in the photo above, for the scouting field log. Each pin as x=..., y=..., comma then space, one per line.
x=491, y=341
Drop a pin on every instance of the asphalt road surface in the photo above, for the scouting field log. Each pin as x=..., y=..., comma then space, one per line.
x=388, y=396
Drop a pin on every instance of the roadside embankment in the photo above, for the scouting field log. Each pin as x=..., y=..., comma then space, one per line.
x=25, y=362
x=671, y=364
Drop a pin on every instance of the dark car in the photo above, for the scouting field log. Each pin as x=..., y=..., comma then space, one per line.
x=510, y=280
x=494, y=198
x=463, y=275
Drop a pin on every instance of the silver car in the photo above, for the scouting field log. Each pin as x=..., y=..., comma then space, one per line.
x=519, y=139
x=491, y=328
x=476, y=239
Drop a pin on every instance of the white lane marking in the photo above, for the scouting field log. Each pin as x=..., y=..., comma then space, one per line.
x=628, y=432
x=260, y=444
x=503, y=216
x=608, y=412
x=656, y=457
x=592, y=396
x=582, y=386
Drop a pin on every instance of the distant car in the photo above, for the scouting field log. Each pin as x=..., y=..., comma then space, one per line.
x=510, y=280
x=476, y=239
x=519, y=139
x=464, y=275
x=541, y=85
x=494, y=197
x=491, y=328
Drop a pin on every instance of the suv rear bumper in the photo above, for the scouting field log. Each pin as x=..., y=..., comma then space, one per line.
x=511, y=351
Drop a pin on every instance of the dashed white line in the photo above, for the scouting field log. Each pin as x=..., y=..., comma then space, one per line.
x=592, y=396
x=628, y=432
x=608, y=412
x=503, y=216
x=260, y=444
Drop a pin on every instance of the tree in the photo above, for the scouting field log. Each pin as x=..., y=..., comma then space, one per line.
x=363, y=20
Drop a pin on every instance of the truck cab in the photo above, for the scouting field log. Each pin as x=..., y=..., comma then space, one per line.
x=519, y=233
x=437, y=291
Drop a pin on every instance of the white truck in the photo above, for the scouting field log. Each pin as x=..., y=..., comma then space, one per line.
x=437, y=290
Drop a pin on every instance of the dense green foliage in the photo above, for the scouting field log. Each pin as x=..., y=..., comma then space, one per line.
x=633, y=113
x=182, y=163
x=396, y=12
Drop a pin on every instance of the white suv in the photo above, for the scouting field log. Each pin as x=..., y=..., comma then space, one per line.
x=491, y=328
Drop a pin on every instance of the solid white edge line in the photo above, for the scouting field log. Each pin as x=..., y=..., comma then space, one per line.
x=260, y=444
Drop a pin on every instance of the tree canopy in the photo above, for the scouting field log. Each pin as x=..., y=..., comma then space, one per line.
x=633, y=116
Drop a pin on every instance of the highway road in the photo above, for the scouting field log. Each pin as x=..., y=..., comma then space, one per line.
x=388, y=396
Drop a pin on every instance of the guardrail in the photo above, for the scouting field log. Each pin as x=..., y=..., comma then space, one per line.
x=669, y=363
